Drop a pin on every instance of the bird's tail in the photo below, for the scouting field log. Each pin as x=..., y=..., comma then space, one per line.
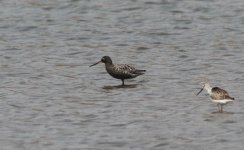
x=140, y=71
x=232, y=98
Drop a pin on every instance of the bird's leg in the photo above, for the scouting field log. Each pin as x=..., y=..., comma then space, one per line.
x=123, y=83
x=221, y=110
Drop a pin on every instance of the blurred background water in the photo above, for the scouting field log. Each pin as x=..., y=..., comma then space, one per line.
x=51, y=99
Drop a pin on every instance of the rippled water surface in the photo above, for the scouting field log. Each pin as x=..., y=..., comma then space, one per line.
x=51, y=99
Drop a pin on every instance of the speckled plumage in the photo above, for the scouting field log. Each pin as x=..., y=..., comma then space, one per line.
x=120, y=71
x=218, y=95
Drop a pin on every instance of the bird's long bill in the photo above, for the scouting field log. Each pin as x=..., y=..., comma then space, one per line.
x=200, y=91
x=95, y=64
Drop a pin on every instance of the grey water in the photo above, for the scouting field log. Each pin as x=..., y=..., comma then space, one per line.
x=51, y=99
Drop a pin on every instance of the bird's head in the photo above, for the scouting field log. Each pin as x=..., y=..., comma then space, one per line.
x=104, y=59
x=206, y=86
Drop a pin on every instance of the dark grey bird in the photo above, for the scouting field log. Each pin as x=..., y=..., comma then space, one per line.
x=218, y=95
x=119, y=71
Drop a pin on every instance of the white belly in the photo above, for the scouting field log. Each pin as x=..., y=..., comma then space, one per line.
x=224, y=101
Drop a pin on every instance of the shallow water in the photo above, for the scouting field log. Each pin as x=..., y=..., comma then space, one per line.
x=51, y=99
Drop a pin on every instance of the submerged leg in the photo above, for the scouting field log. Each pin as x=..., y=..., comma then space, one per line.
x=123, y=83
x=221, y=108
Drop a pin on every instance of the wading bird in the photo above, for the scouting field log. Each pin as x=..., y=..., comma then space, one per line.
x=218, y=95
x=119, y=71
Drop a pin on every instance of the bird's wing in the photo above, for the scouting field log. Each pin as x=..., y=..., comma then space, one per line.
x=124, y=68
x=218, y=93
